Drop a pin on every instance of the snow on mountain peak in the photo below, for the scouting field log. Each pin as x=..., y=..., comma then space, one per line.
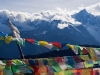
x=62, y=26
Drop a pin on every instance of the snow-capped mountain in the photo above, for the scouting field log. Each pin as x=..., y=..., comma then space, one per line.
x=78, y=28
x=91, y=22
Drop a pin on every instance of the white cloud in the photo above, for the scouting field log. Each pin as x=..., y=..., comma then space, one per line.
x=22, y=19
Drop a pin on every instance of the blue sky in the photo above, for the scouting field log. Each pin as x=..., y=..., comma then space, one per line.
x=39, y=5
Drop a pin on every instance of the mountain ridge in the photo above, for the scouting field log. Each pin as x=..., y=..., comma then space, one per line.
x=78, y=29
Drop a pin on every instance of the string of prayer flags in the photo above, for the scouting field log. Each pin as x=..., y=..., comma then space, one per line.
x=55, y=65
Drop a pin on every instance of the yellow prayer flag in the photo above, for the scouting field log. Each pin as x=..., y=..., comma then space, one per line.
x=88, y=63
x=93, y=58
x=50, y=61
x=8, y=39
x=86, y=71
x=43, y=43
x=71, y=46
x=2, y=67
x=91, y=51
x=85, y=57
x=43, y=70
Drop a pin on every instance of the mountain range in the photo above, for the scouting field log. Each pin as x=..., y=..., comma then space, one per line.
x=79, y=28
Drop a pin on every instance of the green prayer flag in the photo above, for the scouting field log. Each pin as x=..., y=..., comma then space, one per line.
x=88, y=64
x=18, y=62
x=21, y=42
x=69, y=66
x=15, y=69
x=54, y=64
x=79, y=49
x=4, y=61
x=68, y=72
x=56, y=48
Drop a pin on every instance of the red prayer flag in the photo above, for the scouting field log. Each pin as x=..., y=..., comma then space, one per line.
x=57, y=44
x=77, y=59
x=85, y=51
x=59, y=59
x=29, y=40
